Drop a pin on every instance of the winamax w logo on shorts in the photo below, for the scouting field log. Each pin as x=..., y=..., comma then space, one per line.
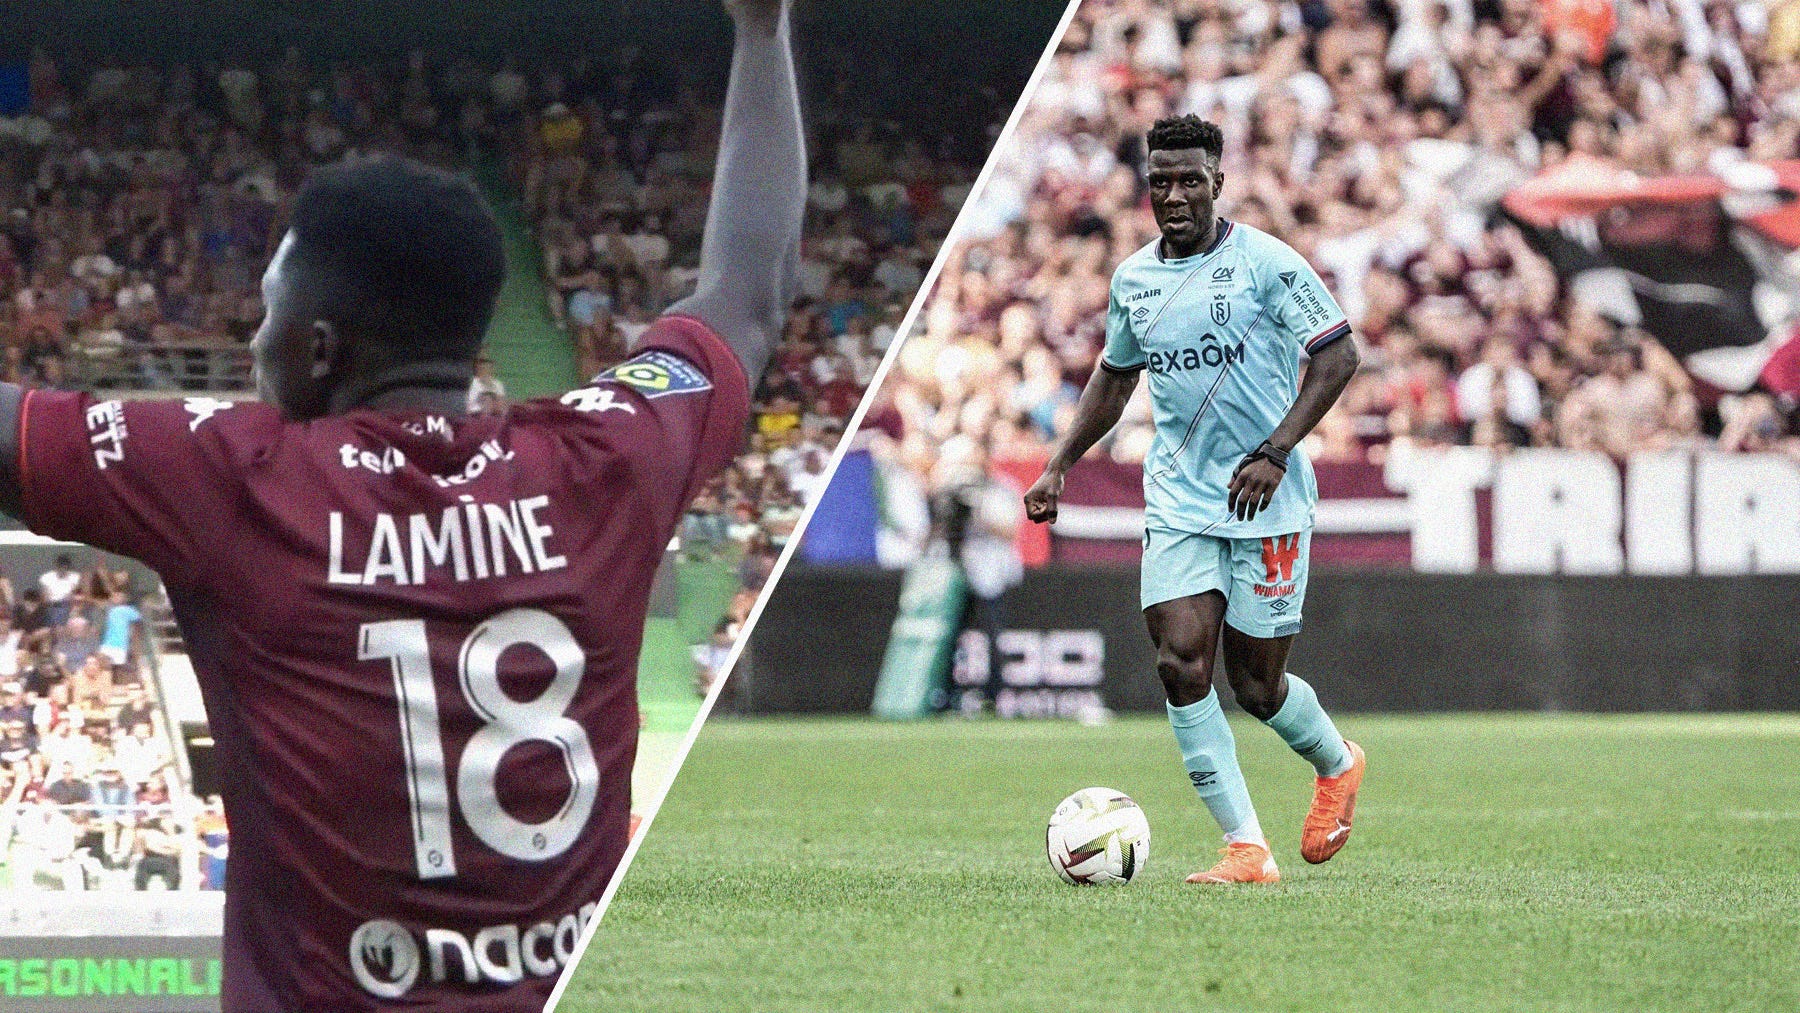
x=1279, y=554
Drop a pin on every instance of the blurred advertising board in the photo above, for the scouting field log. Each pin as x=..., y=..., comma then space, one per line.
x=1469, y=509
x=109, y=953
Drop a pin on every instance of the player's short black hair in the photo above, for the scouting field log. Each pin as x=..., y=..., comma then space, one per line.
x=1175, y=133
x=415, y=253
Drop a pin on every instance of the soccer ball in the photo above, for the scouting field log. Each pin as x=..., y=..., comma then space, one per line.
x=1098, y=835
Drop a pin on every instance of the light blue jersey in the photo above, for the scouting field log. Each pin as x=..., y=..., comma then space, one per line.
x=1221, y=334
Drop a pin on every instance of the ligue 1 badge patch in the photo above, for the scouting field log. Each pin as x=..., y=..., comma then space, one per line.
x=657, y=374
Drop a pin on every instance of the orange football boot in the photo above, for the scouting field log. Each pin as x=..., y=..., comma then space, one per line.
x=1334, y=802
x=1241, y=863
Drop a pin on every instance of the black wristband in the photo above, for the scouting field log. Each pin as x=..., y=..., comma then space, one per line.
x=1269, y=452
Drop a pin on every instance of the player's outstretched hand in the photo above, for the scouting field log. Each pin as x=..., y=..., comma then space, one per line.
x=766, y=13
x=1252, y=486
x=1040, y=499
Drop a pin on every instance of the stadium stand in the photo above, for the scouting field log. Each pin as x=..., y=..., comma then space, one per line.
x=1565, y=235
x=1404, y=147
x=614, y=179
x=138, y=205
x=140, y=201
x=618, y=201
x=91, y=793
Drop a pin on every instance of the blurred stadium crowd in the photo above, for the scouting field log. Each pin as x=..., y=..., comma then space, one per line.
x=1376, y=137
x=615, y=170
x=615, y=174
x=139, y=203
x=90, y=795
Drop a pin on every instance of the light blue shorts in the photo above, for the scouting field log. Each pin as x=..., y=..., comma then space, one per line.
x=1263, y=579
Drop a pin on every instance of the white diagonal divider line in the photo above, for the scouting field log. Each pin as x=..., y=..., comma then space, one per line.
x=10, y=538
x=837, y=456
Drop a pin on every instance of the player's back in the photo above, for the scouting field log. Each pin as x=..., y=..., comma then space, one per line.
x=423, y=728
x=417, y=638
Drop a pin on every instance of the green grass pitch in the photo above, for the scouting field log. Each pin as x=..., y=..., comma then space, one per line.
x=1499, y=863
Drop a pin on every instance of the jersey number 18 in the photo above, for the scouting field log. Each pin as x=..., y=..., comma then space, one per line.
x=505, y=723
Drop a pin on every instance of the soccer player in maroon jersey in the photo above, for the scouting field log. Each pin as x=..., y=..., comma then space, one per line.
x=417, y=631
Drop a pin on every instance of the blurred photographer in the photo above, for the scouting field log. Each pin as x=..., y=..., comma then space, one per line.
x=977, y=519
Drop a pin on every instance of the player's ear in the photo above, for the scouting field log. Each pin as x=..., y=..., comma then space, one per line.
x=325, y=349
x=1218, y=182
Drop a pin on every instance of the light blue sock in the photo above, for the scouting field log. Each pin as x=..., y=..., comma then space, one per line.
x=1210, y=752
x=1305, y=726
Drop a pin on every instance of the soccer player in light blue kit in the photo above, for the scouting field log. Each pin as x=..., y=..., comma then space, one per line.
x=1219, y=314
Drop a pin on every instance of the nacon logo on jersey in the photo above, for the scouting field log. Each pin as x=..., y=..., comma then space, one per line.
x=387, y=959
x=384, y=958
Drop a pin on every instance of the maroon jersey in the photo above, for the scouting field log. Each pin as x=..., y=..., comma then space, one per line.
x=417, y=638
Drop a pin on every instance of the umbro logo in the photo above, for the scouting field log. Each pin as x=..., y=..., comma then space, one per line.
x=1202, y=778
x=1223, y=273
x=1142, y=312
x=1287, y=278
x=1278, y=606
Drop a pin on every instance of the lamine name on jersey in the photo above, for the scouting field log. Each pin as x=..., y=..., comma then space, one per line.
x=465, y=541
x=1221, y=334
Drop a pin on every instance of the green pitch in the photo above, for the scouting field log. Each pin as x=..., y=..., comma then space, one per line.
x=1499, y=863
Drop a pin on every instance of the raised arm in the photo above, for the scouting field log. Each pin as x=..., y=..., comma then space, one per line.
x=749, y=259
x=1102, y=403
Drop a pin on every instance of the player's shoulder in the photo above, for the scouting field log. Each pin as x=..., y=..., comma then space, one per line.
x=670, y=366
x=648, y=376
x=237, y=432
x=679, y=354
x=1260, y=246
x=1144, y=256
x=143, y=452
x=196, y=420
x=1267, y=258
x=692, y=339
x=230, y=415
